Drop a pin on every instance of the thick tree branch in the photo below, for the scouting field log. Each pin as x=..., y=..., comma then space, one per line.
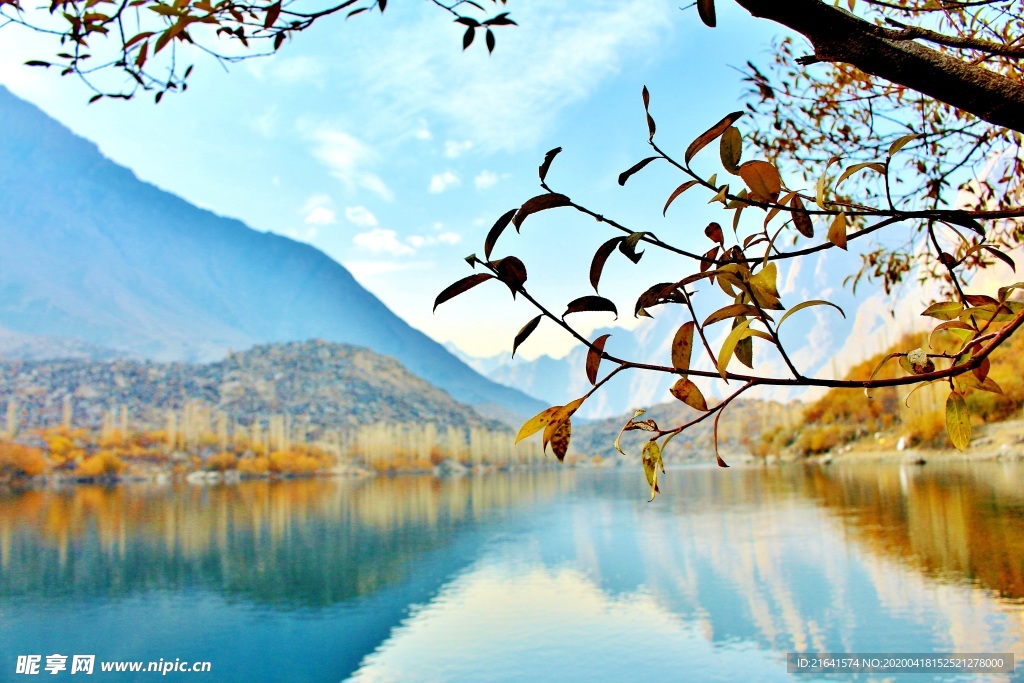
x=839, y=36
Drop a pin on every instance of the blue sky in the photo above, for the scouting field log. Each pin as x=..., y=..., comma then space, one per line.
x=379, y=141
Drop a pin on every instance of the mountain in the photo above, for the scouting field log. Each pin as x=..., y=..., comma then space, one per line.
x=319, y=384
x=93, y=254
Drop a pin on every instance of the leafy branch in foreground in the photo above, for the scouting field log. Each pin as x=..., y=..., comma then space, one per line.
x=744, y=270
x=119, y=47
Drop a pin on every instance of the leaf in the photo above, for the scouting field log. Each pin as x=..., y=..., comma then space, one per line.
x=745, y=350
x=546, y=164
x=650, y=126
x=495, y=232
x=730, y=149
x=273, y=12
x=718, y=458
x=600, y=257
x=899, y=143
x=558, y=435
x=714, y=233
x=539, y=203
x=706, y=10
x=624, y=176
x=682, y=347
x=463, y=285
x=806, y=304
x=763, y=180
x=489, y=38
x=1001, y=256
x=628, y=245
x=525, y=332
x=650, y=456
x=873, y=165
x=741, y=331
x=468, y=36
x=944, y=310
x=965, y=221
x=881, y=364
x=837, y=230
x=958, y=420
x=979, y=300
x=823, y=183
x=512, y=272
x=764, y=289
x=688, y=392
x=140, y=59
x=801, y=219
x=731, y=311
x=645, y=94
x=136, y=38
x=537, y=422
x=676, y=192
x=590, y=303
x=710, y=135
x=594, y=357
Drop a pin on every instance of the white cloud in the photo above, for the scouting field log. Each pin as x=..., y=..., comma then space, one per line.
x=381, y=241
x=485, y=180
x=361, y=216
x=319, y=210
x=321, y=216
x=454, y=148
x=507, y=100
x=443, y=181
x=347, y=158
x=419, y=241
x=423, y=134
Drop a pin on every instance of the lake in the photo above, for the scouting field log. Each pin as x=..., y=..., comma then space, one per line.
x=555, y=575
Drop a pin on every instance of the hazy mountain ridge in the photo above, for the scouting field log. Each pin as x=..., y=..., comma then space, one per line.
x=320, y=384
x=94, y=254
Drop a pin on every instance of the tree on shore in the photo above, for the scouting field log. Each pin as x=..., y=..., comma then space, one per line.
x=888, y=128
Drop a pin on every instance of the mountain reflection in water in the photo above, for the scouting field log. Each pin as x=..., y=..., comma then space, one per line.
x=556, y=575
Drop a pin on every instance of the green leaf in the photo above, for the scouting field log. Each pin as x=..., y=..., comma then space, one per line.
x=958, y=420
x=741, y=331
x=710, y=135
x=682, y=347
x=688, y=392
x=806, y=304
x=594, y=357
x=944, y=310
x=463, y=285
x=525, y=332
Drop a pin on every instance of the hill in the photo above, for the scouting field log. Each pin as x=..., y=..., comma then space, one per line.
x=94, y=255
x=320, y=385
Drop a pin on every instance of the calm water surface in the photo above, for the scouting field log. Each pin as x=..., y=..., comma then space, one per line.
x=548, y=576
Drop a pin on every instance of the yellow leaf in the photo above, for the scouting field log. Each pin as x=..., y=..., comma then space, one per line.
x=682, y=347
x=837, y=231
x=763, y=180
x=688, y=392
x=652, y=462
x=958, y=420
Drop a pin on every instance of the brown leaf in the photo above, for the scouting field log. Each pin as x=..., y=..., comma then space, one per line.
x=682, y=347
x=624, y=176
x=463, y=285
x=688, y=392
x=706, y=10
x=495, y=232
x=512, y=272
x=594, y=357
x=590, y=303
x=801, y=219
x=714, y=233
x=558, y=435
x=676, y=192
x=537, y=422
x=539, y=203
x=600, y=257
x=763, y=180
x=548, y=158
x=710, y=135
x=525, y=332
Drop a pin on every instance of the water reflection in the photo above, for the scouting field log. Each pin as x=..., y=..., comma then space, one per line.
x=529, y=576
